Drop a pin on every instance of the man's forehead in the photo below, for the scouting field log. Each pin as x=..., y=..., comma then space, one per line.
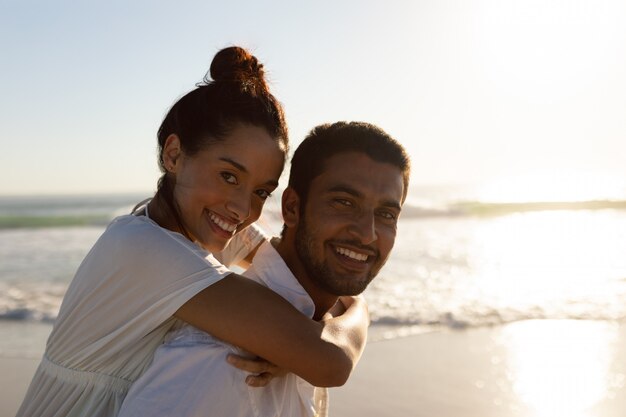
x=361, y=173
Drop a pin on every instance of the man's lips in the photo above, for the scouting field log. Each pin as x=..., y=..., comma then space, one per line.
x=357, y=256
x=354, y=254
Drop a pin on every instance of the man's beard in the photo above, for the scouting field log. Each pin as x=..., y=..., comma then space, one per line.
x=319, y=272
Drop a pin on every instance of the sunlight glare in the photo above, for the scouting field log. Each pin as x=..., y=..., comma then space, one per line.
x=560, y=368
x=553, y=186
x=552, y=263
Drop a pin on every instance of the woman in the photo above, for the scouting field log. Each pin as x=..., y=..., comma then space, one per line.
x=222, y=148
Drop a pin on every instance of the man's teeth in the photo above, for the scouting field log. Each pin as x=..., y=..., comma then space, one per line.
x=228, y=227
x=352, y=255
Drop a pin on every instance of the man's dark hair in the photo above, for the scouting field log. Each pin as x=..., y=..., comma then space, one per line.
x=327, y=140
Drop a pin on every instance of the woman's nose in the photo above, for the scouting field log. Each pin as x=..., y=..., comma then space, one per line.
x=239, y=205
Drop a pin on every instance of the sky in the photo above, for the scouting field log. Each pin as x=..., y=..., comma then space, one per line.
x=515, y=95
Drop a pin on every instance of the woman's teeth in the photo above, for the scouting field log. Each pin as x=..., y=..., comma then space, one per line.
x=227, y=227
x=352, y=255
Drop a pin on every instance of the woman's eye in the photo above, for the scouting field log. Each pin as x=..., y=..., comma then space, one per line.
x=263, y=194
x=228, y=177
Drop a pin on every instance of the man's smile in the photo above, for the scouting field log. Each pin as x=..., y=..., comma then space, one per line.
x=361, y=257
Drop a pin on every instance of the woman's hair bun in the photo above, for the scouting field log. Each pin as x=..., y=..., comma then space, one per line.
x=236, y=64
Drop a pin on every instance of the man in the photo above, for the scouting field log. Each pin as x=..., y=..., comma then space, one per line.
x=347, y=184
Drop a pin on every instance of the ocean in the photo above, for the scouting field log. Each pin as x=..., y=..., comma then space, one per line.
x=458, y=261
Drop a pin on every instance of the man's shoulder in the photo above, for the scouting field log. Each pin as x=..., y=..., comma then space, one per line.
x=269, y=269
x=268, y=266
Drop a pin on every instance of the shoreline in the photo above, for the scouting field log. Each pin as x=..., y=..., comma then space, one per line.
x=528, y=368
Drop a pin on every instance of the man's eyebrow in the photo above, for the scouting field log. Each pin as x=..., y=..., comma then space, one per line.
x=235, y=164
x=344, y=189
x=392, y=204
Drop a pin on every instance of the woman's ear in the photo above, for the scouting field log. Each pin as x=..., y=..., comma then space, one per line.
x=291, y=207
x=171, y=153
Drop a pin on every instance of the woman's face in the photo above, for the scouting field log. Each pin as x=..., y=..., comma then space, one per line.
x=222, y=189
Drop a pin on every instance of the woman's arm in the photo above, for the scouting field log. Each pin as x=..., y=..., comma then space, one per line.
x=246, y=314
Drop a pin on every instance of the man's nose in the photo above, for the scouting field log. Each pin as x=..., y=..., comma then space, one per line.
x=364, y=227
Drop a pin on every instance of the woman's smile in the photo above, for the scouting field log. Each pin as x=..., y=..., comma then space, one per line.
x=224, y=225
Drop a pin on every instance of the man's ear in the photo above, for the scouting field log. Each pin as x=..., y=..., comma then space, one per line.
x=171, y=153
x=291, y=207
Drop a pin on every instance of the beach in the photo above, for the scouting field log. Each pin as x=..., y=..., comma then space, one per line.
x=15, y=375
x=532, y=368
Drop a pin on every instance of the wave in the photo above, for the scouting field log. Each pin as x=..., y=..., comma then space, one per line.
x=481, y=208
x=27, y=314
x=391, y=327
x=448, y=320
x=13, y=222
x=63, y=211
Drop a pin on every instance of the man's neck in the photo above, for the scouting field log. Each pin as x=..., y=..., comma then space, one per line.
x=323, y=300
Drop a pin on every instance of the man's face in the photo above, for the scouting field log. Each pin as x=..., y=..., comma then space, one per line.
x=349, y=223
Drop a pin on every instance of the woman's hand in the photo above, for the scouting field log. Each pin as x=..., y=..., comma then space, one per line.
x=262, y=370
x=344, y=303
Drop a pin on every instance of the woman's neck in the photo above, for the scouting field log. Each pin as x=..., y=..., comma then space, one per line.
x=161, y=213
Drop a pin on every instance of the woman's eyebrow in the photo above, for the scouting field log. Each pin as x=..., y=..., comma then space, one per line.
x=242, y=168
x=235, y=164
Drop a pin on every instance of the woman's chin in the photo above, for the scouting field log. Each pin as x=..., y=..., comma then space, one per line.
x=214, y=247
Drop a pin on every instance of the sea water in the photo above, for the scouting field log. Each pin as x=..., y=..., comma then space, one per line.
x=457, y=262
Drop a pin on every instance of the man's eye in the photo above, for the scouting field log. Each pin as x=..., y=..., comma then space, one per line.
x=387, y=215
x=344, y=202
x=228, y=177
x=264, y=194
